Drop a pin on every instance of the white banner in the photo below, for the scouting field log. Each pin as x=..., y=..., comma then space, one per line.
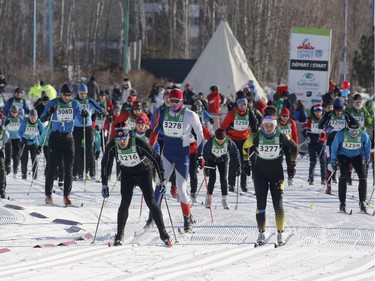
x=309, y=64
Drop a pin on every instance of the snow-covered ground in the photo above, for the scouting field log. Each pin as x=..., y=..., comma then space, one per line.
x=324, y=244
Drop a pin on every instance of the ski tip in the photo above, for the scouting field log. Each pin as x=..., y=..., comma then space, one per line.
x=81, y=204
x=351, y=212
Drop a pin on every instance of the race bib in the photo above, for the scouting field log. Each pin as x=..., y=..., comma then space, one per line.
x=172, y=129
x=315, y=129
x=129, y=160
x=31, y=131
x=351, y=145
x=240, y=125
x=268, y=151
x=13, y=126
x=338, y=124
x=287, y=132
x=65, y=114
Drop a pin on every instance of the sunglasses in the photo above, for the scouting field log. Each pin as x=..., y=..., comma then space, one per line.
x=82, y=93
x=174, y=101
x=67, y=94
x=121, y=138
x=284, y=115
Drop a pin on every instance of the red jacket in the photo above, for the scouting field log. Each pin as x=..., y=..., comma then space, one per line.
x=293, y=127
x=214, y=102
x=228, y=122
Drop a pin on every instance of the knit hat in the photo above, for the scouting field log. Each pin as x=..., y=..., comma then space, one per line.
x=136, y=105
x=241, y=100
x=131, y=98
x=357, y=97
x=14, y=108
x=198, y=103
x=318, y=107
x=122, y=132
x=18, y=90
x=353, y=124
x=220, y=134
x=269, y=119
x=338, y=104
x=65, y=89
x=33, y=112
x=285, y=111
x=102, y=93
x=176, y=94
x=140, y=119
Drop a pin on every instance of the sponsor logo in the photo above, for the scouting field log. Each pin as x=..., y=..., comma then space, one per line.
x=308, y=81
x=305, y=45
x=318, y=53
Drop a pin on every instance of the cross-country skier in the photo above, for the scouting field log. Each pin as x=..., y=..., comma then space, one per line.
x=267, y=147
x=176, y=122
x=351, y=146
x=61, y=112
x=137, y=161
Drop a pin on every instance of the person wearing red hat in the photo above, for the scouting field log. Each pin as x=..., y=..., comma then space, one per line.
x=238, y=123
x=131, y=114
x=137, y=161
x=288, y=127
x=265, y=150
x=128, y=104
x=177, y=122
x=316, y=139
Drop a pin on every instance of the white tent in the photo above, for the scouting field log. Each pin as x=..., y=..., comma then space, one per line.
x=222, y=63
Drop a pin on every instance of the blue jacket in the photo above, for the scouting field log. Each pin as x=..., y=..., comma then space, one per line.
x=57, y=124
x=4, y=139
x=44, y=137
x=27, y=131
x=338, y=149
x=92, y=107
x=23, y=108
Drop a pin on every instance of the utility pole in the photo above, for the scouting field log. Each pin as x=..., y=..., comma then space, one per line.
x=50, y=35
x=34, y=38
x=126, y=38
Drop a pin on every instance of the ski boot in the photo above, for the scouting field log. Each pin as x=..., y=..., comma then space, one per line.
x=61, y=185
x=188, y=226
x=280, y=238
x=2, y=193
x=166, y=239
x=261, y=239
x=224, y=202
x=231, y=188
x=118, y=240
x=49, y=200
x=362, y=207
x=67, y=200
x=244, y=188
x=343, y=206
x=24, y=176
x=290, y=181
x=329, y=189
x=310, y=181
x=88, y=177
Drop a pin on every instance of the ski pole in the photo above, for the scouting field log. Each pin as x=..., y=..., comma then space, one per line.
x=23, y=147
x=238, y=192
x=140, y=207
x=321, y=190
x=34, y=173
x=97, y=225
x=170, y=219
x=101, y=210
x=84, y=153
x=208, y=198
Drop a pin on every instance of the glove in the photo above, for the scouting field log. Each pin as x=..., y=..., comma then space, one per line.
x=24, y=140
x=335, y=166
x=38, y=150
x=200, y=162
x=97, y=153
x=206, y=172
x=110, y=119
x=84, y=113
x=238, y=171
x=308, y=140
x=329, y=130
x=105, y=191
x=52, y=109
x=291, y=169
x=148, y=133
x=246, y=168
x=221, y=159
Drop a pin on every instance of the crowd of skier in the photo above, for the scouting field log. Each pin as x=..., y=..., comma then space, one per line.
x=168, y=138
